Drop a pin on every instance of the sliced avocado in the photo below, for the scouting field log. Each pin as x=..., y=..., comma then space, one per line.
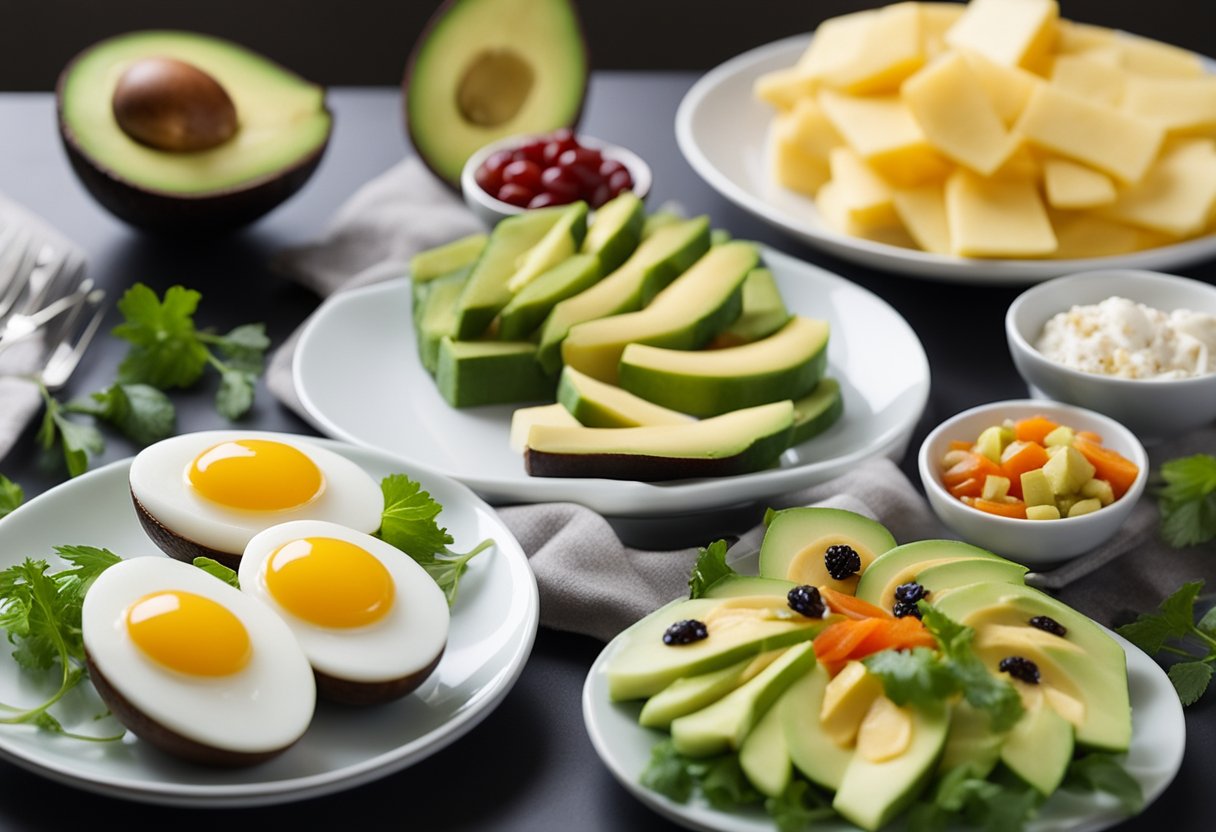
x=846, y=700
x=817, y=411
x=472, y=373
x=483, y=70
x=1086, y=664
x=559, y=244
x=903, y=563
x=486, y=293
x=643, y=665
x=814, y=754
x=616, y=230
x=785, y=365
x=242, y=151
x=765, y=757
x=524, y=418
x=685, y=315
x=598, y=405
x=718, y=236
x=872, y=793
x=436, y=315
x=663, y=218
x=734, y=443
x=724, y=725
x=435, y=262
x=692, y=693
x=734, y=586
x=946, y=577
x=797, y=539
x=653, y=265
x=528, y=308
x=970, y=741
x=1039, y=747
x=763, y=312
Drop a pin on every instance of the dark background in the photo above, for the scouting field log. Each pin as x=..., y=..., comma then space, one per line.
x=366, y=42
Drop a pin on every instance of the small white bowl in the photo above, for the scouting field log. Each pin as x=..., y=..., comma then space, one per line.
x=1031, y=542
x=1153, y=408
x=490, y=209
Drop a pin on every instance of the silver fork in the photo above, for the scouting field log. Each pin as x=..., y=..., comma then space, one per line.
x=41, y=269
x=74, y=334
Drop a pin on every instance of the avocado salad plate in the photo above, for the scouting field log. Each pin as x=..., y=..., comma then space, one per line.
x=644, y=691
x=492, y=627
x=358, y=375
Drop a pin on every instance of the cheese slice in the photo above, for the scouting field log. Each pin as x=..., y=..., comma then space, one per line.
x=792, y=164
x=935, y=20
x=832, y=210
x=1145, y=56
x=837, y=42
x=1074, y=38
x=1008, y=87
x=783, y=88
x=923, y=212
x=1074, y=186
x=883, y=132
x=864, y=196
x=1090, y=78
x=1083, y=234
x=996, y=217
x=1176, y=196
x=890, y=51
x=1010, y=32
x=1182, y=105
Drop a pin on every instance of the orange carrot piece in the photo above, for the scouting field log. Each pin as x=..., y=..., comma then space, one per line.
x=1019, y=457
x=839, y=640
x=975, y=466
x=1016, y=510
x=1034, y=429
x=960, y=445
x=850, y=606
x=967, y=488
x=893, y=634
x=1109, y=465
x=1088, y=436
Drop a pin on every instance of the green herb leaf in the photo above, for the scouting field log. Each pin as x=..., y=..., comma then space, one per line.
x=165, y=349
x=1098, y=772
x=447, y=571
x=912, y=676
x=1190, y=680
x=11, y=495
x=667, y=773
x=244, y=348
x=1207, y=624
x=1174, y=619
x=962, y=797
x=1178, y=610
x=218, y=570
x=1187, y=500
x=235, y=395
x=709, y=569
x=140, y=412
x=724, y=784
x=797, y=808
x=981, y=688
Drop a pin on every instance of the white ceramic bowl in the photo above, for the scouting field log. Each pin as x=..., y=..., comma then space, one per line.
x=491, y=209
x=1031, y=542
x=1152, y=408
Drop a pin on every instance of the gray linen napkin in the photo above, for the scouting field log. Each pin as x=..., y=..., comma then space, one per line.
x=590, y=582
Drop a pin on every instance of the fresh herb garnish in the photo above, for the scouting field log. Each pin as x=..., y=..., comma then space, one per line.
x=218, y=570
x=408, y=523
x=140, y=412
x=41, y=614
x=709, y=569
x=983, y=804
x=798, y=807
x=168, y=350
x=1174, y=621
x=79, y=441
x=1097, y=772
x=1187, y=500
x=11, y=495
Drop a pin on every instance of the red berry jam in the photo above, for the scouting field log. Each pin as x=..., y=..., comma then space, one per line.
x=553, y=169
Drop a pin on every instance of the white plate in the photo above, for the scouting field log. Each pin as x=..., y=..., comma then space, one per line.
x=722, y=128
x=493, y=626
x=1158, y=742
x=358, y=375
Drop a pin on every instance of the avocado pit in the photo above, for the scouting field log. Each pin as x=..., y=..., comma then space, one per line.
x=494, y=87
x=171, y=105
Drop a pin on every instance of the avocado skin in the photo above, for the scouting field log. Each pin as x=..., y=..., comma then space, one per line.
x=183, y=215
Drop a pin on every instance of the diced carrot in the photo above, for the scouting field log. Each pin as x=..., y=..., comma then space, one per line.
x=850, y=606
x=1109, y=465
x=838, y=641
x=975, y=466
x=1021, y=456
x=967, y=488
x=894, y=634
x=1034, y=429
x=1088, y=436
x=960, y=445
x=1016, y=510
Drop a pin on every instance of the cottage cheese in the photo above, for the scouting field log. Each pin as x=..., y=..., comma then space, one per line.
x=1122, y=338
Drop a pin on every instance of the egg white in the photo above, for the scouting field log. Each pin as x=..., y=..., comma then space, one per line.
x=265, y=706
x=159, y=482
x=407, y=639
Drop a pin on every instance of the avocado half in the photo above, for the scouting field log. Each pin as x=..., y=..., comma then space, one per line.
x=281, y=131
x=483, y=70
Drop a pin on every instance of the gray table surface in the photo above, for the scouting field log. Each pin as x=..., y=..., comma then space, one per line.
x=529, y=766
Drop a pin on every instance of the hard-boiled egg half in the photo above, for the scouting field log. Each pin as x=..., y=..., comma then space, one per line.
x=370, y=619
x=207, y=494
x=194, y=666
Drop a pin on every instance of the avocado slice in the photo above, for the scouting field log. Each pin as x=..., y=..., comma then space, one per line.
x=786, y=365
x=724, y=725
x=616, y=230
x=813, y=753
x=653, y=265
x=765, y=757
x=643, y=665
x=797, y=539
x=692, y=693
x=436, y=262
x=817, y=411
x=599, y=405
x=471, y=373
x=528, y=308
x=559, y=244
x=971, y=741
x=483, y=70
x=734, y=586
x=1039, y=747
x=685, y=315
x=763, y=312
x=734, y=443
x=661, y=219
x=277, y=129
x=524, y=418
x=907, y=562
x=435, y=315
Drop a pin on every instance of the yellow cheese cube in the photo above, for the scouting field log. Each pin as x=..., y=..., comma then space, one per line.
x=1099, y=136
x=1145, y=56
x=891, y=51
x=957, y=117
x=790, y=164
x=1023, y=163
x=864, y=196
x=812, y=130
x=996, y=217
x=783, y=88
x=1073, y=186
x=837, y=41
x=1010, y=32
x=1080, y=234
x=835, y=213
x=1074, y=38
x=1182, y=105
x=922, y=210
x=883, y=132
x=935, y=20
x=1008, y=87
x=1176, y=195
x=1089, y=78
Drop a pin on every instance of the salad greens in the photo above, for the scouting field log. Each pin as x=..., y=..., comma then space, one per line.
x=1187, y=500
x=11, y=495
x=1172, y=629
x=709, y=569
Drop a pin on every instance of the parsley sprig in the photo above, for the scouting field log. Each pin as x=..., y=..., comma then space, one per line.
x=963, y=794
x=710, y=568
x=1187, y=500
x=1172, y=629
x=409, y=524
x=11, y=495
x=141, y=413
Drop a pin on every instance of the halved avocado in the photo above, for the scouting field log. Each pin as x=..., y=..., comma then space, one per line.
x=154, y=143
x=797, y=539
x=483, y=70
x=599, y=405
x=907, y=562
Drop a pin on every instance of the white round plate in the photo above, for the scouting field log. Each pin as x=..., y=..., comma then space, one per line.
x=722, y=130
x=358, y=376
x=1158, y=742
x=493, y=626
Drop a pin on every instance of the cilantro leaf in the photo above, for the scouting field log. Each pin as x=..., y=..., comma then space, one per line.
x=1097, y=772
x=244, y=348
x=11, y=495
x=724, y=784
x=141, y=412
x=667, y=773
x=709, y=569
x=1187, y=500
x=1173, y=619
x=962, y=795
x=1190, y=680
x=79, y=441
x=165, y=349
x=914, y=676
x=797, y=808
x=218, y=570
x=1178, y=610
x=981, y=688
x=235, y=395
x=1207, y=624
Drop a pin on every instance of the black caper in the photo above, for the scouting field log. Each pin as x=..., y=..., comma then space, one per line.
x=1049, y=625
x=685, y=632
x=1021, y=669
x=805, y=599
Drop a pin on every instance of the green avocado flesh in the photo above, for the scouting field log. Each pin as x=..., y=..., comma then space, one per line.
x=599, y=405
x=910, y=561
x=814, y=754
x=487, y=69
x=471, y=373
x=797, y=539
x=436, y=315
x=1039, y=747
x=436, y=262
x=736, y=586
x=765, y=757
x=971, y=741
x=817, y=411
x=616, y=230
x=528, y=308
x=281, y=118
x=763, y=313
x=692, y=693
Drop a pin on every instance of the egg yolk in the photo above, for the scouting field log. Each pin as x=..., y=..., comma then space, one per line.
x=329, y=582
x=255, y=474
x=189, y=633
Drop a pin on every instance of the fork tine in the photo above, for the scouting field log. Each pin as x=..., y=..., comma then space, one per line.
x=13, y=278
x=68, y=352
